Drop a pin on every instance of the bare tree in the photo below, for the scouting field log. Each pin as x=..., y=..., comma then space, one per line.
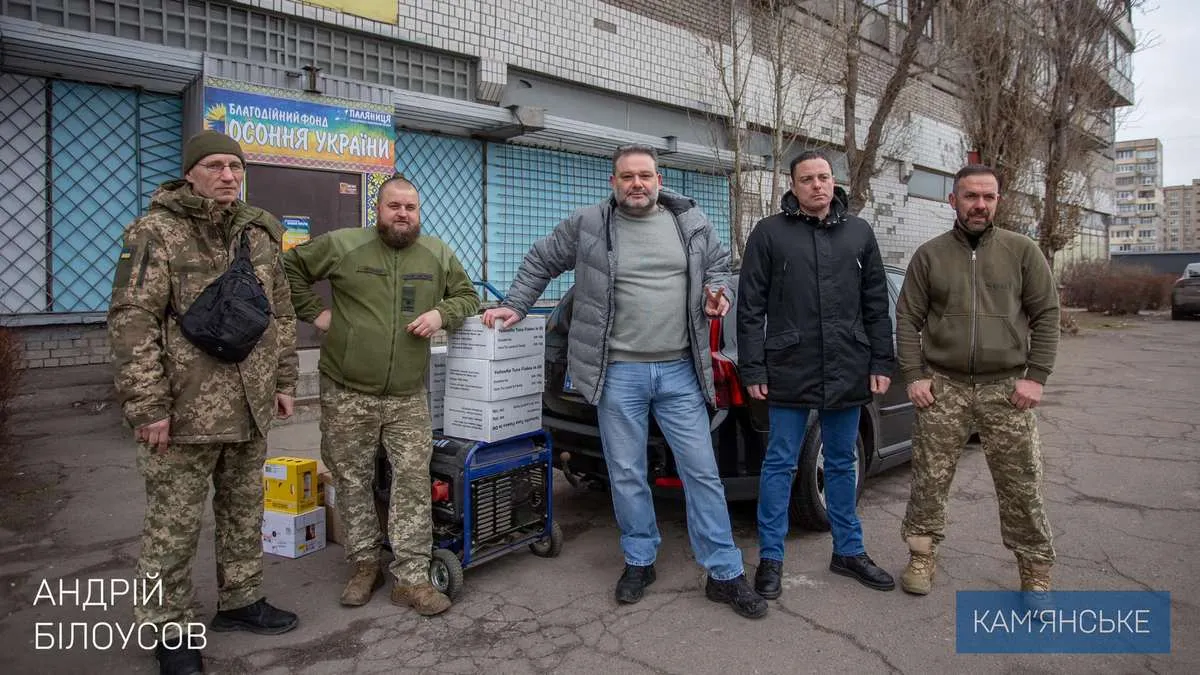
x=864, y=157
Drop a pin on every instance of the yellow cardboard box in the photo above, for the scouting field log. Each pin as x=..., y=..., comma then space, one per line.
x=290, y=484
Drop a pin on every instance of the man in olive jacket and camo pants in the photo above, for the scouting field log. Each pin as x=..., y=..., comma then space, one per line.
x=977, y=331
x=393, y=288
x=198, y=419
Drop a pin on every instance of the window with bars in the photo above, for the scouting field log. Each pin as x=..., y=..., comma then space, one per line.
x=258, y=36
x=78, y=162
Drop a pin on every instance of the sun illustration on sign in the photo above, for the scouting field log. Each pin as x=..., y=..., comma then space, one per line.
x=214, y=117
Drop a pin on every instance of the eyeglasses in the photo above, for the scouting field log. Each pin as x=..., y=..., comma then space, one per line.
x=218, y=168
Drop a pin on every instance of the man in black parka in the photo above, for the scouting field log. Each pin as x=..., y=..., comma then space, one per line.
x=814, y=337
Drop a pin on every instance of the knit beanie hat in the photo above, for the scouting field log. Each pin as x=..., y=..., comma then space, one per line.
x=209, y=142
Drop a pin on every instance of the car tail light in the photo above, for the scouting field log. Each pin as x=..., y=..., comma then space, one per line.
x=668, y=482
x=725, y=380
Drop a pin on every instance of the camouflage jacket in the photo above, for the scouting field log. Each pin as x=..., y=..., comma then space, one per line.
x=168, y=257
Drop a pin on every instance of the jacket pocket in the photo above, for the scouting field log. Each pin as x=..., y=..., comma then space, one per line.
x=1000, y=346
x=781, y=340
x=947, y=342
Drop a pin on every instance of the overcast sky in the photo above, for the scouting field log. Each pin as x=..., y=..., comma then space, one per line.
x=1165, y=76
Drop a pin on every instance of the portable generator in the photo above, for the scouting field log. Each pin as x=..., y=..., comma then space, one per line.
x=488, y=499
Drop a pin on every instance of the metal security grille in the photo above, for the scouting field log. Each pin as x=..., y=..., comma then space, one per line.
x=710, y=192
x=448, y=172
x=104, y=150
x=506, y=503
x=529, y=192
x=255, y=35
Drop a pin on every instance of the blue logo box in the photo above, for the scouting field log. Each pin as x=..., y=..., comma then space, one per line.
x=1063, y=622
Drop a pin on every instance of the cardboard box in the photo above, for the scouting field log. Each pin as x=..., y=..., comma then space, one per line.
x=484, y=380
x=290, y=484
x=435, y=377
x=437, y=408
x=476, y=341
x=492, y=421
x=293, y=535
x=334, y=530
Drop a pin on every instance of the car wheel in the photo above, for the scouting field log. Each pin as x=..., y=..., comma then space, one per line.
x=807, y=509
x=446, y=573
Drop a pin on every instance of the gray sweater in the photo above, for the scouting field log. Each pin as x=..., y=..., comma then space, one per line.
x=650, y=290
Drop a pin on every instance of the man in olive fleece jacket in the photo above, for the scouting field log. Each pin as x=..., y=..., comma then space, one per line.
x=393, y=288
x=977, y=327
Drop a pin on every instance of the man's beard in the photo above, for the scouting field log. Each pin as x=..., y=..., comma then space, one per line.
x=394, y=237
x=633, y=210
x=965, y=222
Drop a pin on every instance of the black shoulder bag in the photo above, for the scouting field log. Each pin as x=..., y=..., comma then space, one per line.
x=229, y=317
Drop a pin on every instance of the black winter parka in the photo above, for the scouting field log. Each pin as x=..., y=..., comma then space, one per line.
x=812, y=310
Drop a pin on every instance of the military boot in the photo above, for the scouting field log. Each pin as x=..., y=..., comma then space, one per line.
x=424, y=598
x=366, y=578
x=922, y=562
x=1035, y=584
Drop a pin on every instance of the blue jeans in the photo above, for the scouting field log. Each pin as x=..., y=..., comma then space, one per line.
x=839, y=429
x=671, y=391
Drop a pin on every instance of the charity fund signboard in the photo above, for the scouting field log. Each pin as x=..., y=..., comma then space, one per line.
x=276, y=126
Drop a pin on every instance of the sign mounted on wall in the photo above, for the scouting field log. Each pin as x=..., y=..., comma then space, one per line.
x=276, y=126
x=379, y=10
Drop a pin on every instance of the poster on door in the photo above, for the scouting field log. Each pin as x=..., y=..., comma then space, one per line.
x=275, y=126
x=295, y=231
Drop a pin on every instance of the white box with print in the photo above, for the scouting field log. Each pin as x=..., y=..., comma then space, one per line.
x=292, y=535
x=484, y=380
x=492, y=421
x=476, y=341
x=435, y=377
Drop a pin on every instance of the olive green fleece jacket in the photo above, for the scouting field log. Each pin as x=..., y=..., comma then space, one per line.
x=377, y=291
x=978, y=315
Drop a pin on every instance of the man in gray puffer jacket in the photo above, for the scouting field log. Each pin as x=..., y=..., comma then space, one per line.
x=648, y=270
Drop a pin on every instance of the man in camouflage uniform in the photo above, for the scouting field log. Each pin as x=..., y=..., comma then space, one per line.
x=393, y=288
x=977, y=335
x=196, y=418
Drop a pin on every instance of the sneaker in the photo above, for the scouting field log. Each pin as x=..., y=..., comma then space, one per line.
x=767, y=578
x=424, y=598
x=862, y=568
x=738, y=594
x=633, y=582
x=363, y=583
x=260, y=617
x=178, y=661
x=917, y=577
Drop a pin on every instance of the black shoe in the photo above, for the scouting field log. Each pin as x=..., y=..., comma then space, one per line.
x=766, y=579
x=862, y=568
x=259, y=618
x=178, y=661
x=737, y=592
x=633, y=582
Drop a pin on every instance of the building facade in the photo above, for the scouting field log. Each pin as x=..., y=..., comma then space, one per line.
x=1182, y=216
x=503, y=113
x=1138, y=225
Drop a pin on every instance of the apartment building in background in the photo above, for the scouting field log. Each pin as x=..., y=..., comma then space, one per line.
x=1181, y=222
x=504, y=114
x=1138, y=224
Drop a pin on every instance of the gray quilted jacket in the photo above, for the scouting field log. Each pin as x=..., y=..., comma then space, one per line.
x=585, y=243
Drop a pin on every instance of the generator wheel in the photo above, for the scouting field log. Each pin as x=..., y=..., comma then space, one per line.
x=550, y=547
x=446, y=573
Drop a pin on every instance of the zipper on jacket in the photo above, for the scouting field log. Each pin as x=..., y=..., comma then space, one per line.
x=974, y=317
x=782, y=283
x=397, y=319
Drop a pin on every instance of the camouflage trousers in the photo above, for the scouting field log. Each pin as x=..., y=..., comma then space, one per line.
x=353, y=425
x=1014, y=455
x=177, y=484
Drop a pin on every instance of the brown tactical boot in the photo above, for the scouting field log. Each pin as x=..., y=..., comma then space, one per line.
x=1035, y=585
x=366, y=578
x=424, y=598
x=922, y=561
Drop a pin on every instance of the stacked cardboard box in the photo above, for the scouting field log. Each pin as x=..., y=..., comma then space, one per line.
x=435, y=384
x=293, y=520
x=494, y=380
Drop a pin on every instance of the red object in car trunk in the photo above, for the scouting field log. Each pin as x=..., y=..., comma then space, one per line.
x=725, y=380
